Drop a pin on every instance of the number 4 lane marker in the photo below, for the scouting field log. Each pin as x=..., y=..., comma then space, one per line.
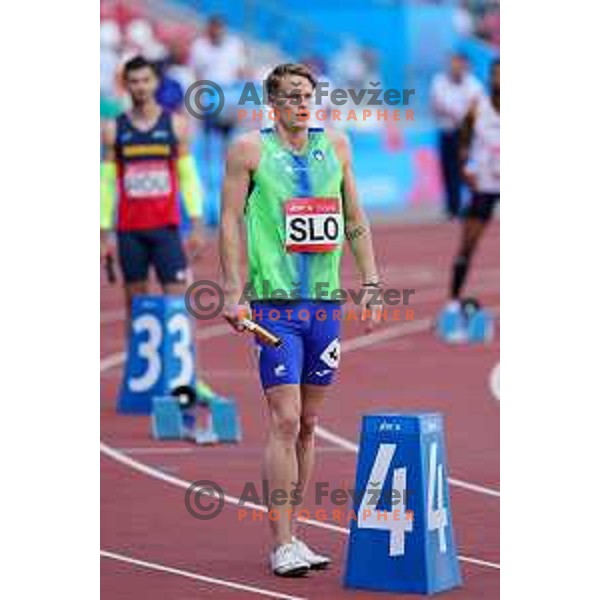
x=437, y=519
x=372, y=519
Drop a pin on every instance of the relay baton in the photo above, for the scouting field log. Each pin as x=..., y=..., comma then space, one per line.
x=266, y=336
x=109, y=267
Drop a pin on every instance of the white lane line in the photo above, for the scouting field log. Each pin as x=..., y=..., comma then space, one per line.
x=118, y=358
x=434, y=294
x=495, y=382
x=206, y=333
x=325, y=434
x=213, y=331
x=182, y=483
x=357, y=343
x=373, y=338
x=176, y=481
x=416, y=278
x=195, y=576
x=481, y=563
x=362, y=341
x=111, y=361
x=157, y=450
x=333, y=438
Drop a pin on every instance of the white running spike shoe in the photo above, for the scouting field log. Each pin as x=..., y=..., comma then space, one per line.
x=316, y=561
x=286, y=562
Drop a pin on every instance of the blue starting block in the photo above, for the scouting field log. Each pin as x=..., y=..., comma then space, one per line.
x=457, y=324
x=166, y=418
x=402, y=540
x=170, y=419
x=481, y=327
x=225, y=420
x=223, y=413
x=160, y=355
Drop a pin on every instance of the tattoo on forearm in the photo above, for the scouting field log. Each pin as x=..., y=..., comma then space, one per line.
x=353, y=233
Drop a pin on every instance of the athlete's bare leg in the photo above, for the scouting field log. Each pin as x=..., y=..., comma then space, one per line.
x=312, y=400
x=138, y=288
x=174, y=289
x=472, y=231
x=281, y=461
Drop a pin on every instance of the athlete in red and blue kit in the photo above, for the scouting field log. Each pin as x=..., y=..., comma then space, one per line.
x=146, y=164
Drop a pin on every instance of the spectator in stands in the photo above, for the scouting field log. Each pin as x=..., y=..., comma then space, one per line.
x=178, y=67
x=462, y=19
x=489, y=26
x=110, y=47
x=453, y=94
x=170, y=92
x=140, y=40
x=218, y=56
x=351, y=70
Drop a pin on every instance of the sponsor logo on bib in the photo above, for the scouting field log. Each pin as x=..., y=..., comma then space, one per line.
x=147, y=179
x=312, y=224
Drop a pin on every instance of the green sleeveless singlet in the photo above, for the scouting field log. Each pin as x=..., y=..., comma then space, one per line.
x=281, y=175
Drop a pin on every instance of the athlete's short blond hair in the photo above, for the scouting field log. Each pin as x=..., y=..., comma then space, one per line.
x=280, y=71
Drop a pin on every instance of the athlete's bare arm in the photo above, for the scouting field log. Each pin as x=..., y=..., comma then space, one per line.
x=358, y=232
x=108, y=134
x=242, y=159
x=182, y=134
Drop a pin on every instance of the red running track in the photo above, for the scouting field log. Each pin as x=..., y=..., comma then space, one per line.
x=152, y=547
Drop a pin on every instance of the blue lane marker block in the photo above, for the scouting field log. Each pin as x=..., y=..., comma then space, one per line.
x=160, y=354
x=403, y=539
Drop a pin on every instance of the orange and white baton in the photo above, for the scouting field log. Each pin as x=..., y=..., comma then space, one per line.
x=263, y=334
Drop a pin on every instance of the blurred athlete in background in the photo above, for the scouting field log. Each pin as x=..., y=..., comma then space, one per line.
x=295, y=187
x=453, y=93
x=480, y=139
x=146, y=162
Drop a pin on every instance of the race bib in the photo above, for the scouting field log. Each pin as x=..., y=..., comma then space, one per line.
x=147, y=179
x=312, y=224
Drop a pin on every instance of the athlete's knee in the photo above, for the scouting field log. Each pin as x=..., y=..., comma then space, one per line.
x=308, y=424
x=471, y=239
x=286, y=428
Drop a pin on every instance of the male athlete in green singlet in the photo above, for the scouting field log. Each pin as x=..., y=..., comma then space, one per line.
x=295, y=189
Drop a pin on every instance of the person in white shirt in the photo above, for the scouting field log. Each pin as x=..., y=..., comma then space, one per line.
x=481, y=134
x=218, y=56
x=453, y=94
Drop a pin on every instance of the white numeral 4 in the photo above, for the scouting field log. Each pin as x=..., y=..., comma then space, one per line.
x=370, y=518
x=437, y=518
